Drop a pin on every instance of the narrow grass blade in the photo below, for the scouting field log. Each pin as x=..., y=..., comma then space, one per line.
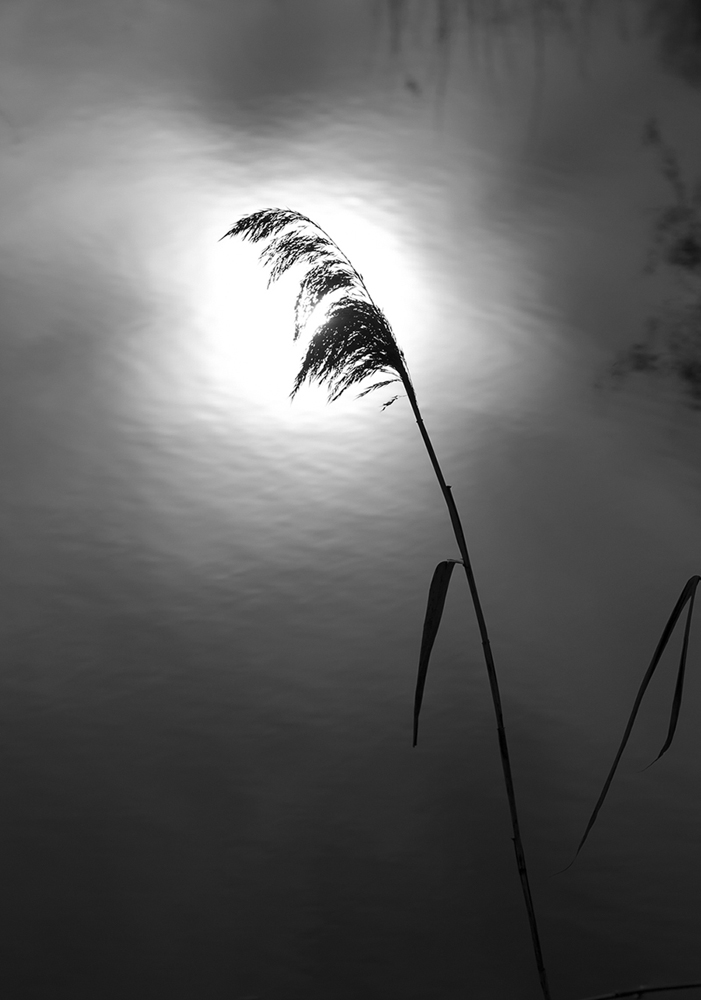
x=434, y=612
x=679, y=687
x=686, y=597
x=642, y=990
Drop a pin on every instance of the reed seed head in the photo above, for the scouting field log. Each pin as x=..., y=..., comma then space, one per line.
x=354, y=341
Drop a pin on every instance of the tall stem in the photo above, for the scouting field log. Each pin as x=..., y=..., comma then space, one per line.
x=494, y=686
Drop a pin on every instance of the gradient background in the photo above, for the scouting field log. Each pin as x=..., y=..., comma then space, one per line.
x=212, y=600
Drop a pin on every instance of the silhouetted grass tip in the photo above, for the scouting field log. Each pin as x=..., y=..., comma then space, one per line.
x=686, y=597
x=354, y=341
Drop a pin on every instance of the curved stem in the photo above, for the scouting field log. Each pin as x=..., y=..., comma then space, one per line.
x=494, y=686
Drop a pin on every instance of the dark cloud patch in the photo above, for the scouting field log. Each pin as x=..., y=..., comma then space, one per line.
x=211, y=52
x=678, y=23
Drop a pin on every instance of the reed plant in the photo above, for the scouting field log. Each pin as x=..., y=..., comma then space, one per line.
x=352, y=343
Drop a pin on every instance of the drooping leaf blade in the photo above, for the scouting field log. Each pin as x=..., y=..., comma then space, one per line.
x=686, y=597
x=434, y=612
x=641, y=991
x=688, y=594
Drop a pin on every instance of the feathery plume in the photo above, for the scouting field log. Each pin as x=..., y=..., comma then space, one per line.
x=354, y=341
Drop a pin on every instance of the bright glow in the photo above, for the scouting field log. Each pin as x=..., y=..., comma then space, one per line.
x=212, y=345
x=246, y=329
x=196, y=355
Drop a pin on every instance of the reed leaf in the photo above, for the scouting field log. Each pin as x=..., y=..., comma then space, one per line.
x=640, y=991
x=686, y=597
x=434, y=612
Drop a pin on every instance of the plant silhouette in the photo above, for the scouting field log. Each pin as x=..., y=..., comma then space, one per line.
x=352, y=343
